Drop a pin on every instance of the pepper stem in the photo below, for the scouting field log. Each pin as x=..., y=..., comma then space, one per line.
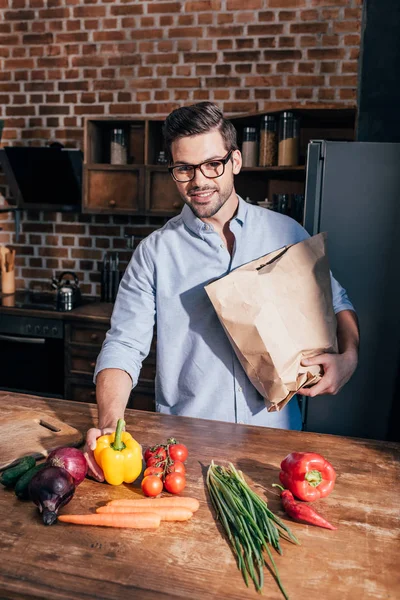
x=118, y=444
x=314, y=478
x=278, y=486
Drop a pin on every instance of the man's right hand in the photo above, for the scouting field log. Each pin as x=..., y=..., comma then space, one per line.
x=91, y=439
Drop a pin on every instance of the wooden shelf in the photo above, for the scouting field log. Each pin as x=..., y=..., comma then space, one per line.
x=145, y=188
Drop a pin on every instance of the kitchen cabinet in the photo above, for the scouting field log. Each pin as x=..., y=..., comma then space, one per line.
x=194, y=559
x=143, y=187
x=83, y=341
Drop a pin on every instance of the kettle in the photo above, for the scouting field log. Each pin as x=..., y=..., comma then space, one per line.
x=68, y=292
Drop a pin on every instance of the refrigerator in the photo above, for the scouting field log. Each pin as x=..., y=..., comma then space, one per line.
x=353, y=193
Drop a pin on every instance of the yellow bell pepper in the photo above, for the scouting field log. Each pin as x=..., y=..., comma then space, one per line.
x=119, y=455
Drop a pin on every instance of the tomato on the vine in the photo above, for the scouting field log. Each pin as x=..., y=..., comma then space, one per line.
x=154, y=462
x=178, y=452
x=157, y=471
x=152, y=485
x=177, y=467
x=158, y=451
x=175, y=483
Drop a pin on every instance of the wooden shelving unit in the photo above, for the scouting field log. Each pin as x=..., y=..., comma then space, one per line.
x=144, y=188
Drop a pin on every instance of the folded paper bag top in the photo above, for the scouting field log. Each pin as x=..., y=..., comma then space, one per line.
x=277, y=310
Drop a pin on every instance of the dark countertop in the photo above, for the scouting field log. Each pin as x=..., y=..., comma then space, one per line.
x=91, y=309
x=193, y=560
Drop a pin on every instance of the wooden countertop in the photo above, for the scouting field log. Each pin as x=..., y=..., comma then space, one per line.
x=193, y=560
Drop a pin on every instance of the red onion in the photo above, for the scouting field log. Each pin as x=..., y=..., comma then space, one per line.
x=50, y=489
x=70, y=459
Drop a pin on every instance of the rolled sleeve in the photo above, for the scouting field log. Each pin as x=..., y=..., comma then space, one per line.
x=340, y=298
x=128, y=340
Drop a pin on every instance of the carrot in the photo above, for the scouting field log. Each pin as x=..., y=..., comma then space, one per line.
x=132, y=521
x=173, y=501
x=169, y=513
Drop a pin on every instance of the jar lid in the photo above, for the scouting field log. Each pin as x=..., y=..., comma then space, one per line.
x=250, y=130
x=287, y=114
x=269, y=118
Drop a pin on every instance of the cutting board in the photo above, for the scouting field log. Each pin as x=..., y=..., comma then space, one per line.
x=32, y=433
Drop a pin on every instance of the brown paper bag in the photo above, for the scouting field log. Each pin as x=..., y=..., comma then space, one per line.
x=277, y=310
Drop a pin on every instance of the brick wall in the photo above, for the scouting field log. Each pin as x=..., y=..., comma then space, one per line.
x=62, y=60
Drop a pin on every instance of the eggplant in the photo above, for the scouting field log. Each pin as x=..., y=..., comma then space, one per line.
x=50, y=489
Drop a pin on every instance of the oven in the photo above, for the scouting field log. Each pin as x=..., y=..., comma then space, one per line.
x=32, y=354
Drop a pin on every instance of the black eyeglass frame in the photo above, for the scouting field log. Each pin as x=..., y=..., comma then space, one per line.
x=194, y=167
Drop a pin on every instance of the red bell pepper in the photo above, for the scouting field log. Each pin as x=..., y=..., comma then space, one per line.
x=307, y=475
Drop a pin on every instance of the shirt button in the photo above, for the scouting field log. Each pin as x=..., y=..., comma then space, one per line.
x=241, y=422
x=239, y=389
x=222, y=246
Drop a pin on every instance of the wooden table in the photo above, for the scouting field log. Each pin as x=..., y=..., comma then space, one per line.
x=193, y=560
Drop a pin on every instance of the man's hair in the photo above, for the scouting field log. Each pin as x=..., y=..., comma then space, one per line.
x=194, y=120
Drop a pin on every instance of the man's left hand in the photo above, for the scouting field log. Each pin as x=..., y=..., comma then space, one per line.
x=338, y=368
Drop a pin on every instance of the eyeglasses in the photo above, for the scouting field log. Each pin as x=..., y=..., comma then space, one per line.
x=210, y=169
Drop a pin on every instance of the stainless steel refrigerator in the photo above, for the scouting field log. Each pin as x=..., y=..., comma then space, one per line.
x=353, y=193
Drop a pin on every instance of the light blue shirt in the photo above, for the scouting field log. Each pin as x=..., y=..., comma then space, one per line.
x=198, y=373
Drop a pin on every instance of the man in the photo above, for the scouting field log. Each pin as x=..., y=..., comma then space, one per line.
x=198, y=373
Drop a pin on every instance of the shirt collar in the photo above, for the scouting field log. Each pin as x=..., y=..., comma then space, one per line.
x=199, y=227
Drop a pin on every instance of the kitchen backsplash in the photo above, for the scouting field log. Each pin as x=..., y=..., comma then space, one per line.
x=50, y=243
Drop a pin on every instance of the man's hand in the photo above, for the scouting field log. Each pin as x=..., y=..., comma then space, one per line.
x=338, y=368
x=91, y=439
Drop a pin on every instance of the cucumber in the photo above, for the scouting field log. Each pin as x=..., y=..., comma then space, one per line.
x=21, y=487
x=10, y=476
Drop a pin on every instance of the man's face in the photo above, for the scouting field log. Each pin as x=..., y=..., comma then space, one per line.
x=203, y=195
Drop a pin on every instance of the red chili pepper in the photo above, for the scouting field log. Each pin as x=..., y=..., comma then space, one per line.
x=307, y=475
x=301, y=512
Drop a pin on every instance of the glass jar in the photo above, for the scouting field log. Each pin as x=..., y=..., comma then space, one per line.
x=119, y=147
x=249, y=147
x=268, y=142
x=161, y=158
x=288, y=153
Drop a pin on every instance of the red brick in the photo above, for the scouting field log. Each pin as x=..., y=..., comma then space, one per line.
x=263, y=81
x=161, y=95
x=240, y=107
x=346, y=26
x=186, y=32
x=225, y=44
x=205, y=19
x=309, y=28
x=54, y=13
x=125, y=109
x=330, y=40
x=54, y=110
x=261, y=68
x=9, y=40
x=330, y=14
x=326, y=53
x=200, y=57
x=215, y=82
x=108, y=36
x=309, y=15
x=163, y=7
x=287, y=15
x=168, y=58
x=349, y=67
x=243, y=69
x=88, y=61
x=108, y=84
x=147, y=22
x=14, y=111
x=263, y=94
x=185, y=19
x=283, y=94
x=164, y=71
x=266, y=15
x=326, y=94
x=184, y=45
x=281, y=54
x=348, y=94
x=242, y=17
x=48, y=63
x=309, y=41
x=86, y=110
x=285, y=67
x=239, y=5
x=343, y=80
x=130, y=9
x=305, y=80
x=161, y=108
x=205, y=45
x=204, y=70
x=183, y=71
x=89, y=11
x=145, y=83
x=256, y=30
x=325, y=3
x=304, y=93
x=39, y=86
x=244, y=56
x=226, y=31
x=19, y=15
x=65, y=38
x=223, y=69
x=352, y=40
x=18, y=63
x=185, y=82
x=287, y=3
x=143, y=96
x=328, y=67
x=124, y=59
x=287, y=41
x=166, y=20
x=202, y=5
x=148, y=34
x=352, y=13
x=306, y=67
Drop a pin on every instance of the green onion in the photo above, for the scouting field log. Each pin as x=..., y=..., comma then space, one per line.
x=249, y=524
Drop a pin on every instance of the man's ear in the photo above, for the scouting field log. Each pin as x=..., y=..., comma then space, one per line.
x=237, y=161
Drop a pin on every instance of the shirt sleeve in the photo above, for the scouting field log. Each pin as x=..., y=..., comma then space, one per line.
x=128, y=340
x=340, y=298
